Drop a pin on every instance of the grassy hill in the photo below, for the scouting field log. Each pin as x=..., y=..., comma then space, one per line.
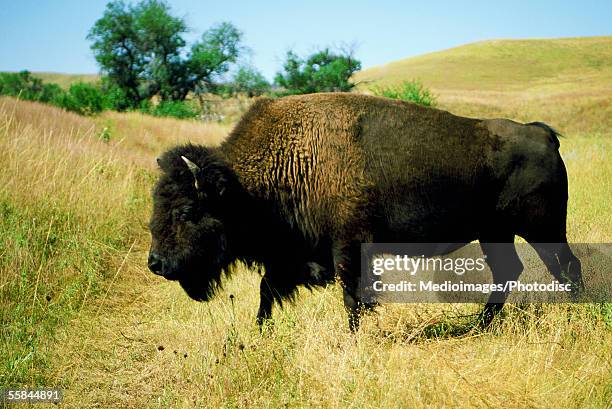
x=65, y=80
x=566, y=81
x=504, y=65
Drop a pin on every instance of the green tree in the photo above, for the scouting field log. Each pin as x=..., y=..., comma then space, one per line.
x=323, y=71
x=116, y=44
x=249, y=81
x=212, y=56
x=161, y=42
x=142, y=50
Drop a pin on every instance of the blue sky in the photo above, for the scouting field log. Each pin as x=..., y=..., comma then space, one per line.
x=49, y=35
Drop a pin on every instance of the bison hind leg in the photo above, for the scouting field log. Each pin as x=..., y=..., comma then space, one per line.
x=505, y=266
x=562, y=264
x=546, y=232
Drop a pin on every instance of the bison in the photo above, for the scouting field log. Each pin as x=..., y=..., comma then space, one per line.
x=302, y=181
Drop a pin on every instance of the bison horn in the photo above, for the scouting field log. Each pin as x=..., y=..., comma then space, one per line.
x=193, y=168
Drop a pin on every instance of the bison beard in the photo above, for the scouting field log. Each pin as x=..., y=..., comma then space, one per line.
x=302, y=181
x=200, y=275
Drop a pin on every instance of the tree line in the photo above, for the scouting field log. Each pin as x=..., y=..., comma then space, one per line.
x=142, y=53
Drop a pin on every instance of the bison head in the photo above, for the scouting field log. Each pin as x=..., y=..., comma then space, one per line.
x=189, y=239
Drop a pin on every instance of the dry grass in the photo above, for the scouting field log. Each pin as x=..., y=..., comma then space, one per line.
x=142, y=137
x=506, y=65
x=66, y=80
x=213, y=356
x=571, y=112
x=114, y=335
x=71, y=205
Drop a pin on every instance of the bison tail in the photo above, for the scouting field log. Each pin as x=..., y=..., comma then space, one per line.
x=554, y=134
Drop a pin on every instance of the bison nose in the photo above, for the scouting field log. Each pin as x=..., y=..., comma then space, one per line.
x=155, y=263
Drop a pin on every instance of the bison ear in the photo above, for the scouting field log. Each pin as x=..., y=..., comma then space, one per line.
x=158, y=162
x=195, y=169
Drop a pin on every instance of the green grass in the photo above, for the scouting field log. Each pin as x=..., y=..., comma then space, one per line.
x=58, y=239
x=35, y=242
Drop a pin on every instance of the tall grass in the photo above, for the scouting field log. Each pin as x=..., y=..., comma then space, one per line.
x=74, y=207
x=71, y=207
x=68, y=209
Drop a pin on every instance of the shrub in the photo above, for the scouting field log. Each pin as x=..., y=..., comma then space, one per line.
x=25, y=86
x=115, y=97
x=412, y=91
x=50, y=92
x=82, y=98
x=176, y=109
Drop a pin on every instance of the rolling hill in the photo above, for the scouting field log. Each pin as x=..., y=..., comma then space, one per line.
x=566, y=81
x=65, y=80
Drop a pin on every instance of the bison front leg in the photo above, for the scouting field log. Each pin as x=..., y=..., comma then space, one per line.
x=352, y=309
x=266, y=300
x=354, y=306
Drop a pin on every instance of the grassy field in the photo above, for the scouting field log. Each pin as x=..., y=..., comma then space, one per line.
x=79, y=309
x=66, y=80
x=70, y=206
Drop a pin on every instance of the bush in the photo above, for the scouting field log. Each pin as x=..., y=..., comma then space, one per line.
x=412, y=91
x=176, y=109
x=115, y=97
x=83, y=98
x=24, y=85
x=50, y=92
